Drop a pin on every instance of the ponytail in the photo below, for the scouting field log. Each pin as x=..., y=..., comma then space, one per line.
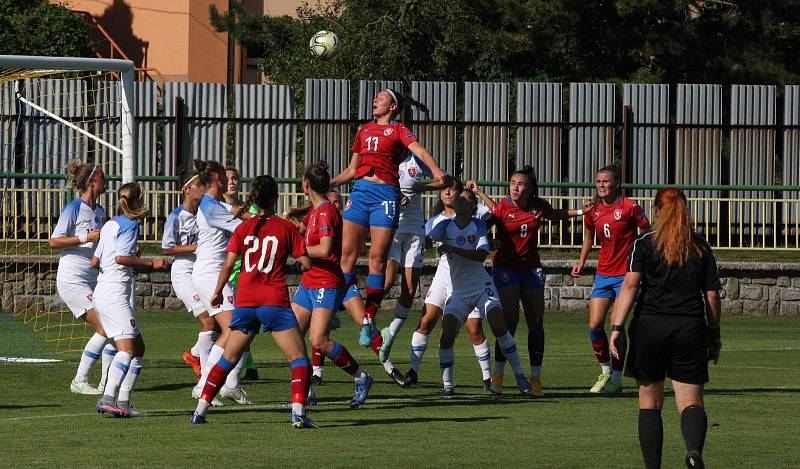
x=81, y=173
x=673, y=235
x=131, y=201
x=404, y=103
x=206, y=170
x=319, y=180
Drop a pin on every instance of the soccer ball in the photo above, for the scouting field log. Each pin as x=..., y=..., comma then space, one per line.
x=324, y=45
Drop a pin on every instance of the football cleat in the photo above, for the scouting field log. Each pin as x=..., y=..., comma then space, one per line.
x=522, y=384
x=302, y=421
x=362, y=391
x=497, y=384
x=250, y=374
x=411, y=377
x=311, y=399
x=110, y=408
x=386, y=346
x=192, y=361
x=612, y=388
x=83, y=387
x=487, y=385
x=694, y=461
x=448, y=391
x=602, y=380
x=316, y=380
x=535, y=385
x=397, y=377
x=365, y=334
x=197, y=419
x=238, y=395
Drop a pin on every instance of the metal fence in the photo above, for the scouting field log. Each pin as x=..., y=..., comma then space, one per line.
x=721, y=142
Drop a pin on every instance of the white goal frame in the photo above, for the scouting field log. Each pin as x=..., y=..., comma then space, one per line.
x=124, y=68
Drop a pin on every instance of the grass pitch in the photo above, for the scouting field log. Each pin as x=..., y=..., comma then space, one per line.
x=753, y=403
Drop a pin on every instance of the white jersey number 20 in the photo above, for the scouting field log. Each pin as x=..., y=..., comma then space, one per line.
x=269, y=242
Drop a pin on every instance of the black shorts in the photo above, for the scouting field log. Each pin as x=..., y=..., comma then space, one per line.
x=673, y=346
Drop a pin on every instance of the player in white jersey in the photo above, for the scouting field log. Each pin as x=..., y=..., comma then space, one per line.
x=215, y=226
x=76, y=234
x=466, y=245
x=406, y=251
x=180, y=240
x=437, y=295
x=116, y=255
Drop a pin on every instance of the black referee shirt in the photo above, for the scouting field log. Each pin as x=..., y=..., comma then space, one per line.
x=673, y=289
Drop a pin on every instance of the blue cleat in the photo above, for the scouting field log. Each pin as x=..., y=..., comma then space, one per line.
x=362, y=391
x=523, y=385
x=198, y=419
x=302, y=421
x=365, y=335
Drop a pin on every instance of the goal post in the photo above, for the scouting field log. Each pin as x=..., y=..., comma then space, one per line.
x=53, y=110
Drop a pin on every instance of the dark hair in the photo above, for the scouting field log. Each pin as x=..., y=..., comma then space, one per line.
x=529, y=173
x=438, y=207
x=404, y=103
x=81, y=174
x=319, y=180
x=208, y=168
x=264, y=193
x=184, y=177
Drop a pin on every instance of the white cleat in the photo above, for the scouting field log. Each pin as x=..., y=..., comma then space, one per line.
x=238, y=395
x=196, y=391
x=83, y=387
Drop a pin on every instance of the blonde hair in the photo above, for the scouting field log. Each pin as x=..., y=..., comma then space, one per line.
x=81, y=174
x=131, y=201
x=673, y=228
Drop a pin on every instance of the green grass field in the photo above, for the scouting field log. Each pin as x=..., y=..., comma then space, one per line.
x=753, y=403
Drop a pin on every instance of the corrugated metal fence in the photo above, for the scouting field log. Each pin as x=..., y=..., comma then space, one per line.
x=676, y=133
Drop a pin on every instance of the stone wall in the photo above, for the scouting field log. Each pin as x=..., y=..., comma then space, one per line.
x=748, y=287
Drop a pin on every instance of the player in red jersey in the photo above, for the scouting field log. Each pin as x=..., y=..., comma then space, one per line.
x=615, y=219
x=371, y=209
x=517, y=269
x=262, y=299
x=322, y=287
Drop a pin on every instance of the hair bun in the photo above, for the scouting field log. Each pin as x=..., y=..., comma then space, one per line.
x=323, y=165
x=200, y=165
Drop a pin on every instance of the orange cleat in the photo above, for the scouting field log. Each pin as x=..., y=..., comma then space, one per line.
x=192, y=361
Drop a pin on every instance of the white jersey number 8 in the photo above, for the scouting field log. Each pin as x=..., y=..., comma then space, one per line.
x=267, y=242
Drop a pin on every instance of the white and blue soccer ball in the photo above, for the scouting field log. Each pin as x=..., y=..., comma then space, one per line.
x=324, y=45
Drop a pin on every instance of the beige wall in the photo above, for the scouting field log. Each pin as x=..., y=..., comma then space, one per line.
x=176, y=36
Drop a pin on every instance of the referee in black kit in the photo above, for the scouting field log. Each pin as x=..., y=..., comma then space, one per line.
x=673, y=278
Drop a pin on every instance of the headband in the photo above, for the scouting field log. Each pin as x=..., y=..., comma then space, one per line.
x=391, y=93
x=189, y=182
x=92, y=173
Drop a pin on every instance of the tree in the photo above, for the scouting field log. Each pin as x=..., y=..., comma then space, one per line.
x=33, y=27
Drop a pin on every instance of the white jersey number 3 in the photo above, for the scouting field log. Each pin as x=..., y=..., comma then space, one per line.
x=269, y=242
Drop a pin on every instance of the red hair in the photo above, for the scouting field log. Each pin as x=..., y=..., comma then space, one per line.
x=673, y=231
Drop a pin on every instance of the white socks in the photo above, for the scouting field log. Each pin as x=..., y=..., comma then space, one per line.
x=484, y=356
x=205, y=340
x=129, y=383
x=91, y=352
x=446, y=359
x=109, y=351
x=509, y=348
x=400, y=316
x=419, y=342
x=116, y=373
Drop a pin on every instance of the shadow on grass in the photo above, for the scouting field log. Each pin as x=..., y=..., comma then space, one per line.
x=26, y=406
x=409, y=420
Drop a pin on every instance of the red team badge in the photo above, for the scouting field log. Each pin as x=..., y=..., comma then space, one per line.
x=196, y=297
x=388, y=131
x=617, y=214
x=230, y=299
x=412, y=172
x=89, y=297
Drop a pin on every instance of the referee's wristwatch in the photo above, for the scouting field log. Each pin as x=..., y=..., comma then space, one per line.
x=620, y=329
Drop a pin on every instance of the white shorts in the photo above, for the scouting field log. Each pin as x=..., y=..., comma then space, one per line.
x=440, y=291
x=184, y=290
x=116, y=313
x=407, y=250
x=77, y=296
x=480, y=300
x=204, y=286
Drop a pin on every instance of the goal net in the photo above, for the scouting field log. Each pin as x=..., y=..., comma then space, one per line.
x=52, y=111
